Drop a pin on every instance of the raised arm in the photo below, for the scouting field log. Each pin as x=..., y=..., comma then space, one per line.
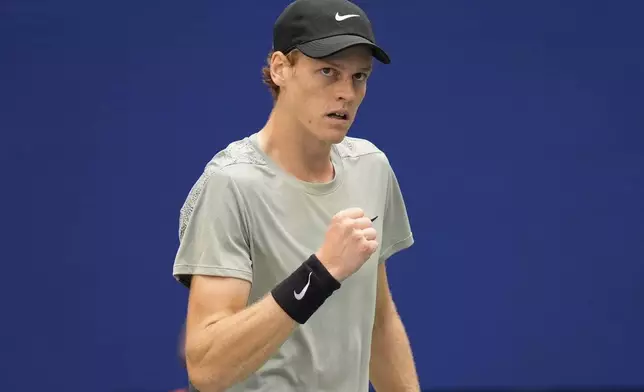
x=225, y=340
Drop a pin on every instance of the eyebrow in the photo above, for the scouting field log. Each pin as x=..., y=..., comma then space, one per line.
x=368, y=68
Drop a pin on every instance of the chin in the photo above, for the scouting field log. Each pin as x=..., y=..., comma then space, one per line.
x=335, y=136
x=330, y=134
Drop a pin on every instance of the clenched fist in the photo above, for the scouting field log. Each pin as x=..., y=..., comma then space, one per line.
x=349, y=242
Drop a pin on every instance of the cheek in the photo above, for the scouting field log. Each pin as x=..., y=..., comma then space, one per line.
x=309, y=106
x=361, y=91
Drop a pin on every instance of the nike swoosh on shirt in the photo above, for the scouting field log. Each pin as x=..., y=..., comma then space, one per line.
x=300, y=295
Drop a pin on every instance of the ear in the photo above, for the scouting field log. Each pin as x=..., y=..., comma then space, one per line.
x=280, y=67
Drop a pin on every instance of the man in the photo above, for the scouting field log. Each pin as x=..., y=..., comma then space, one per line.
x=285, y=235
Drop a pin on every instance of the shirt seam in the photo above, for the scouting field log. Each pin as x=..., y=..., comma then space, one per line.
x=388, y=250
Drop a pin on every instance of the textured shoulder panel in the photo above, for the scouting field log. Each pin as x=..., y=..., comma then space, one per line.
x=353, y=147
x=189, y=204
x=237, y=152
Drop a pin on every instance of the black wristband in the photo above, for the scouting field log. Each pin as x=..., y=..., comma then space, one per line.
x=305, y=290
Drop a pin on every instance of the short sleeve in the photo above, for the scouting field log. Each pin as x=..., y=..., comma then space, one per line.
x=213, y=234
x=396, y=230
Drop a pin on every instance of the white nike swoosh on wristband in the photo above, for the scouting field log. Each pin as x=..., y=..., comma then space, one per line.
x=301, y=294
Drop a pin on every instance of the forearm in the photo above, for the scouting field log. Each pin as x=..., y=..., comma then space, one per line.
x=228, y=350
x=392, y=365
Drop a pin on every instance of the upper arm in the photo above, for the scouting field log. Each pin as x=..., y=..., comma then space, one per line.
x=396, y=236
x=396, y=229
x=385, y=307
x=213, y=259
x=212, y=298
x=214, y=232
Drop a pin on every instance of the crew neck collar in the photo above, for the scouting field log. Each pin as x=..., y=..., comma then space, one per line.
x=316, y=188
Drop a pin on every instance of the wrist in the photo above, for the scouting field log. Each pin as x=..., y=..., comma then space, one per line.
x=335, y=272
x=328, y=275
x=305, y=290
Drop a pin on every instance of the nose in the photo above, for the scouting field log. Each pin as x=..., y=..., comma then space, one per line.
x=345, y=90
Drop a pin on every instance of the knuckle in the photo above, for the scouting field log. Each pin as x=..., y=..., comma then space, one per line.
x=346, y=224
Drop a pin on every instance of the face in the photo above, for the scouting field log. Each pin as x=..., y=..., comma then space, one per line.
x=325, y=94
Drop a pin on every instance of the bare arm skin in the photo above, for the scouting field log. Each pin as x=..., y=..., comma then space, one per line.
x=225, y=340
x=392, y=367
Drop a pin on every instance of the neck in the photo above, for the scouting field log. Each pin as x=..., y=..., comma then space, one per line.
x=294, y=148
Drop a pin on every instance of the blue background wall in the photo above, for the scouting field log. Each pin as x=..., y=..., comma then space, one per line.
x=516, y=129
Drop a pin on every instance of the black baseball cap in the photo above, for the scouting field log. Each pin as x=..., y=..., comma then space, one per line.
x=320, y=28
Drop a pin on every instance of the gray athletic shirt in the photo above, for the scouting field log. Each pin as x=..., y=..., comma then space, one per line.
x=247, y=218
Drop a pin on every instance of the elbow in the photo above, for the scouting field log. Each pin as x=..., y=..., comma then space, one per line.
x=207, y=377
x=205, y=382
x=207, y=387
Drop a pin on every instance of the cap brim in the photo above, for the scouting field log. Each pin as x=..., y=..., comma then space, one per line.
x=327, y=46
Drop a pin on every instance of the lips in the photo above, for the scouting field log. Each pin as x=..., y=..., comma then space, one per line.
x=338, y=115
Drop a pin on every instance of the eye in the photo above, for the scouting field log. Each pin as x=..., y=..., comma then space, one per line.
x=361, y=76
x=327, y=71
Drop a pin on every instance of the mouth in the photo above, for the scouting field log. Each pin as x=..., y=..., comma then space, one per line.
x=339, y=115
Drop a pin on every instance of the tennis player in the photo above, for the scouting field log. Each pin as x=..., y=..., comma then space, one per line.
x=285, y=235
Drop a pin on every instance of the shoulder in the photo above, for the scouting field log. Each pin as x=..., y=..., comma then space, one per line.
x=239, y=152
x=354, y=148
x=238, y=162
x=221, y=177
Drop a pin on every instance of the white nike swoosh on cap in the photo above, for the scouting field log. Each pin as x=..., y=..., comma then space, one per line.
x=340, y=18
